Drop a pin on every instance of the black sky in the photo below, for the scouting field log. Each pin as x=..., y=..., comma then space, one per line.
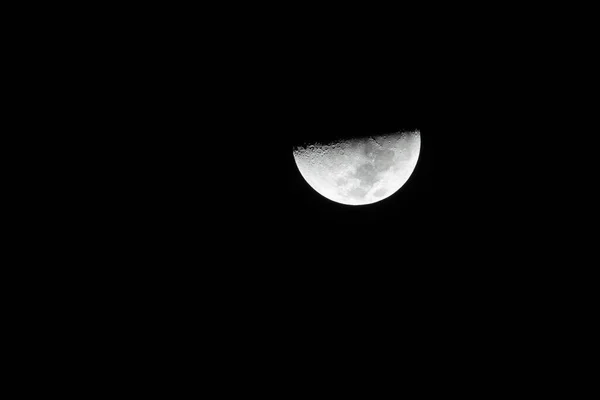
x=220, y=165
x=213, y=177
x=193, y=211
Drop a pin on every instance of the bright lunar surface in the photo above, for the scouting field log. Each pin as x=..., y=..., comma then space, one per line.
x=360, y=171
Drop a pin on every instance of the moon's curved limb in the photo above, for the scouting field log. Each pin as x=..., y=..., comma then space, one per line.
x=360, y=171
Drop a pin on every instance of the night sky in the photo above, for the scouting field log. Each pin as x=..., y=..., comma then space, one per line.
x=215, y=182
x=198, y=222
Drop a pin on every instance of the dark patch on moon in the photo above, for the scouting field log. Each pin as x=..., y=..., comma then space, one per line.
x=384, y=159
x=369, y=148
x=367, y=175
x=405, y=144
x=380, y=192
x=357, y=193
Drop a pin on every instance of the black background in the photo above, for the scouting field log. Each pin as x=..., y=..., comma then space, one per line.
x=220, y=186
x=210, y=123
x=198, y=221
x=207, y=192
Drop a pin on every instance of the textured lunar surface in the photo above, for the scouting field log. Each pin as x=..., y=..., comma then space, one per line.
x=360, y=171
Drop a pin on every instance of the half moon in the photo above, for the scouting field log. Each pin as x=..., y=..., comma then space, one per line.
x=360, y=171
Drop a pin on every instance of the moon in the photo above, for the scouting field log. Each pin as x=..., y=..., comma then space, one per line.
x=360, y=171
